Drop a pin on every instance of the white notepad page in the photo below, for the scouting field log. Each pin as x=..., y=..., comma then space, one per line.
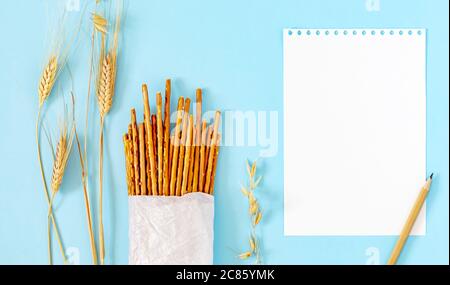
x=354, y=130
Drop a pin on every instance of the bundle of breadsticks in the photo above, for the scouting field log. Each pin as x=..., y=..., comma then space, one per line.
x=159, y=163
x=170, y=179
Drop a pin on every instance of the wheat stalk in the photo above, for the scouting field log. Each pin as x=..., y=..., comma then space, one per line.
x=62, y=153
x=46, y=84
x=105, y=94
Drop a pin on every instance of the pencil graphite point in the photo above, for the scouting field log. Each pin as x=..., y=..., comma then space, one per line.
x=431, y=176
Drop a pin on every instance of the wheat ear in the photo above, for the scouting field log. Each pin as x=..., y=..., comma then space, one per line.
x=63, y=149
x=48, y=79
x=105, y=90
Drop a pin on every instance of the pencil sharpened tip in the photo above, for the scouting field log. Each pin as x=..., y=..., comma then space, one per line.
x=431, y=176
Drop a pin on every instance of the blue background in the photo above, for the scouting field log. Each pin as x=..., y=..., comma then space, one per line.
x=233, y=49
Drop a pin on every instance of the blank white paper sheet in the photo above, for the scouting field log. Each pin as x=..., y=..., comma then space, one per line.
x=354, y=130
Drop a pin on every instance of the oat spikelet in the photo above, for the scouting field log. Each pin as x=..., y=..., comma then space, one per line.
x=48, y=80
x=105, y=91
x=245, y=255
x=63, y=149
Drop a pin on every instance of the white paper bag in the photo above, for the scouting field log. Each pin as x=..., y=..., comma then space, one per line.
x=171, y=230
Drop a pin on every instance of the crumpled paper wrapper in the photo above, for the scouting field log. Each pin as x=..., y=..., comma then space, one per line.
x=171, y=230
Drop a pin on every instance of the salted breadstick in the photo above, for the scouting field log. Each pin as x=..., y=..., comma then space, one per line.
x=171, y=146
x=150, y=140
x=176, y=148
x=216, y=158
x=166, y=149
x=198, y=116
x=187, y=157
x=202, y=159
x=135, y=152
x=208, y=148
x=127, y=162
x=130, y=158
x=191, y=161
x=198, y=139
x=148, y=169
x=142, y=159
x=155, y=148
x=182, y=150
x=212, y=151
x=160, y=139
x=155, y=142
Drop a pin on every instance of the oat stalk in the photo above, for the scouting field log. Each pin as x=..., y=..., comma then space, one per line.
x=255, y=213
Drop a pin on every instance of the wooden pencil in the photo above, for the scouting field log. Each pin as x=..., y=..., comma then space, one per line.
x=142, y=167
x=212, y=150
x=182, y=148
x=176, y=147
x=166, y=150
x=418, y=204
x=188, y=144
x=160, y=139
x=135, y=152
x=150, y=140
x=202, y=158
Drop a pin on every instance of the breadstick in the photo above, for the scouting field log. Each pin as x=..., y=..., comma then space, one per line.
x=202, y=159
x=212, y=151
x=198, y=115
x=198, y=138
x=130, y=158
x=216, y=158
x=208, y=148
x=160, y=132
x=182, y=146
x=166, y=150
x=148, y=169
x=171, y=146
x=130, y=164
x=150, y=139
x=187, y=157
x=142, y=159
x=176, y=148
x=127, y=162
x=155, y=143
x=155, y=148
x=135, y=152
x=191, y=161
